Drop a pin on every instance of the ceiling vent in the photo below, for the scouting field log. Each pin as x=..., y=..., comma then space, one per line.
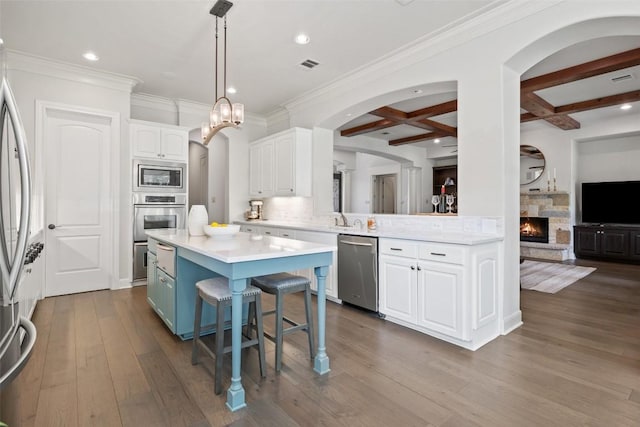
x=623, y=77
x=309, y=63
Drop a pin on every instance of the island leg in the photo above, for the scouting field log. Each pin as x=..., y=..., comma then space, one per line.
x=235, y=394
x=321, y=362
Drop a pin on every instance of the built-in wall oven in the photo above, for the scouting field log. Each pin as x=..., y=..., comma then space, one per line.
x=165, y=177
x=153, y=211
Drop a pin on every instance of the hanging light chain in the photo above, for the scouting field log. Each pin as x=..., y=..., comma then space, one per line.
x=224, y=76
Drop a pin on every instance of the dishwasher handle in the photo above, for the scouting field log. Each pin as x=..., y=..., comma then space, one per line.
x=347, y=242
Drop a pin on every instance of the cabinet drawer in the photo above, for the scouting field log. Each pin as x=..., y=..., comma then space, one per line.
x=404, y=248
x=442, y=253
x=167, y=259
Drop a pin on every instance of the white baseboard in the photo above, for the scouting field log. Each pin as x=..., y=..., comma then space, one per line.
x=511, y=322
x=121, y=284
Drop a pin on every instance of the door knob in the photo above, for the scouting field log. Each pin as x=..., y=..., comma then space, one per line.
x=52, y=226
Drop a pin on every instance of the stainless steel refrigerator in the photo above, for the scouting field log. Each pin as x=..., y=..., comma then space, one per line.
x=17, y=333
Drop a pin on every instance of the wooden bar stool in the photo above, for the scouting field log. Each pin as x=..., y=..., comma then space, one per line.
x=216, y=292
x=280, y=284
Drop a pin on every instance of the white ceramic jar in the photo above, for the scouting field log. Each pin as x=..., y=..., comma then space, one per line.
x=198, y=217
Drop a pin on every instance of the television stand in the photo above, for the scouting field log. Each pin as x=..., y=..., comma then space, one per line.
x=607, y=242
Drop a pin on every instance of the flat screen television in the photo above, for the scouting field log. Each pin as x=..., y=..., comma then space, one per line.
x=611, y=202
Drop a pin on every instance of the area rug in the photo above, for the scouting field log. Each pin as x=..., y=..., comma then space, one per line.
x=550, y=277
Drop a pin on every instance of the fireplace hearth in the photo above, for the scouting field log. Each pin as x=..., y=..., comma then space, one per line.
x=534, y=229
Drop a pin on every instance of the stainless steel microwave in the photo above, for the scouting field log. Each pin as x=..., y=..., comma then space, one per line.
x=159, y=176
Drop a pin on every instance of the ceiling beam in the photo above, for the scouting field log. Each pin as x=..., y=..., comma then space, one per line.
x=394, y=117
x=619, y=61
x=368, y=127
x=591, y=104
x=434, y=110
x=545, y=111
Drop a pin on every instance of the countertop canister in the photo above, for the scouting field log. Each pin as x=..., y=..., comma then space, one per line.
x=198, y=217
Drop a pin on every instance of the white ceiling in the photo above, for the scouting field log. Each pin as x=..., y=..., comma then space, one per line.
x=169, y=45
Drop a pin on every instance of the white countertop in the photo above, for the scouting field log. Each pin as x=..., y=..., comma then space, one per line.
x=241, y=247
x=419, y=234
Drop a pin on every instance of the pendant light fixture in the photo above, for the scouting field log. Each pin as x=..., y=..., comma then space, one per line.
x=223, y=113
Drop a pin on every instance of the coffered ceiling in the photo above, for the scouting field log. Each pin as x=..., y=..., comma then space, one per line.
x=169, y=46
x=595, y=77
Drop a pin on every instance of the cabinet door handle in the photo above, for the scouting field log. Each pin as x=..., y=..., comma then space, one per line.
x=419, y=268
x=164, y=247
x=413, y=267
x=438, y=254
x=162, y=279
x=396, y=249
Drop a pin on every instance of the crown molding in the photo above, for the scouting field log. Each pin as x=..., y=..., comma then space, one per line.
x=20, y=61
x=279, y=115
x=153, y=102
x=493, y=16
x=198, y=108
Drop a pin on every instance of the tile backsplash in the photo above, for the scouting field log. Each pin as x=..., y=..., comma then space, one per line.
x=288, y=209
x=300, y=210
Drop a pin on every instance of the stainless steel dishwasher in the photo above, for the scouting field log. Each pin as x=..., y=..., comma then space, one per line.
x=358, y=270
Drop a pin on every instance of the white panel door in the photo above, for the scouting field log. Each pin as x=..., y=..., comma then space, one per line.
x=398, y=288
x=440, y=298
x=77, y=202
x=175, y=145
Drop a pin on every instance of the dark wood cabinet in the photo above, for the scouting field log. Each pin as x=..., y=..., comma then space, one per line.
x=608, y=243
x=447, y=176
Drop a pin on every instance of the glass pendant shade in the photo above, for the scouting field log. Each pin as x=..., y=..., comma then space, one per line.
x=214, y=117
x=223, y=114
x=238, y=113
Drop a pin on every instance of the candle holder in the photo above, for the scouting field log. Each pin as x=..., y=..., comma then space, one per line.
x=548, y=185
x=554, y=185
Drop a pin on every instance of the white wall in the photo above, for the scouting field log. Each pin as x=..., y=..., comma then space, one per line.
x=34, y=79
x=228, y=149
x=486, y=58
x=407, y=155
x=605, y=150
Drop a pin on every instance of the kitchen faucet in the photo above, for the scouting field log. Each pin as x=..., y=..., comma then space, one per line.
x=345, y=222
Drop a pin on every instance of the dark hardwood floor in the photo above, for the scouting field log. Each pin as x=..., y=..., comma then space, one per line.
x=105, y=359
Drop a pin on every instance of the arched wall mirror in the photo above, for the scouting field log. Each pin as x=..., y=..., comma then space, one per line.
x=531, y=164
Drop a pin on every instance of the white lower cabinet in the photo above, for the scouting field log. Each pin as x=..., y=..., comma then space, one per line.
x=398, y=285
x=331, y=282
x=445, y=290
x=440, y=298
x=160, y=288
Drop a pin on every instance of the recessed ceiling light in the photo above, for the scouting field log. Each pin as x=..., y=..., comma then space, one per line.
x=436, y=141
x=90, y=56
x=625, y=107
x=386, y=133
x=231, y=89
x=417, y=91
x=302, y=39
x=349, y=114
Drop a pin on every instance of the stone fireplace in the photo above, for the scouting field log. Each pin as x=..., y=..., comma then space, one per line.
x=534, y=229
x=551, y=207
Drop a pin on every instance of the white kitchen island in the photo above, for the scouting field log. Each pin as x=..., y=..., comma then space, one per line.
x=239, y=259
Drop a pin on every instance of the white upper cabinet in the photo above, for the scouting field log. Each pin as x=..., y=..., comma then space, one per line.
x=261, y=169
x=159, y=142
x=280, y=164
